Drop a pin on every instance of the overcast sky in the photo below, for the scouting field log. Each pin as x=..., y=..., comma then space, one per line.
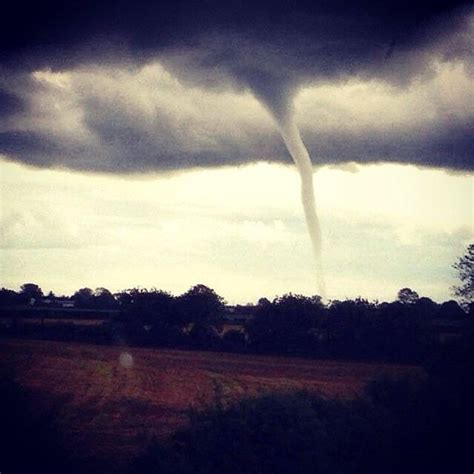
x=138, y=145
x=238, y=230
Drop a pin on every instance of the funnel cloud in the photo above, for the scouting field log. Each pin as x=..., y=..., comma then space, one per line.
x=290, y=133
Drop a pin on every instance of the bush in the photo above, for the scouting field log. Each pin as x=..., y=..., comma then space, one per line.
x=234, y=340
x=406, y=425
x=204, y=336
x=30, y=442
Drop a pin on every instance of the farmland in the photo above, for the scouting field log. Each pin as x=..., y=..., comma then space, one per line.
x=110, y=400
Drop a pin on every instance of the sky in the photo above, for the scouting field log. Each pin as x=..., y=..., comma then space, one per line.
x=140, y=146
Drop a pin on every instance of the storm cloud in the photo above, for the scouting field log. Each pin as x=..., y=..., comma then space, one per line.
x=144, y=86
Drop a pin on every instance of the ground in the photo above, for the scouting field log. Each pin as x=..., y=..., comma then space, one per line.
x=111, y=400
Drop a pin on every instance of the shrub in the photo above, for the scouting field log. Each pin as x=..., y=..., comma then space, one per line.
x=30, y=442
x=398, y=425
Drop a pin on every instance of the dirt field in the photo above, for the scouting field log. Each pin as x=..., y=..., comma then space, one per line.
x=112, y=399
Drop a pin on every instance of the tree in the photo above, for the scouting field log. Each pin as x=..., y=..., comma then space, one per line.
x=426, y=308
x=51, y=296
x=9, y=297
x=465, y=268
x=450, y=310
x=201, y=304
x=84, y=298
x=103, y=299
x=150, y=306
x=152, y=316
x=407, y=296
x=30, y=292
x=284, y=325
x=263, y=302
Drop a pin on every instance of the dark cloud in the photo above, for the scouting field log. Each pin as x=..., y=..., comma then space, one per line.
x=118, y=133
x=10, y=104
x=269, y=48
x=442, y=146
x=261, y=44
x=28, y=144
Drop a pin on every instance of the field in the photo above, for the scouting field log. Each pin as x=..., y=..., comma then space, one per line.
x=111, y=400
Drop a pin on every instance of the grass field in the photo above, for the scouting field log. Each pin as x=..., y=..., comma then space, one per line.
x=110, y=400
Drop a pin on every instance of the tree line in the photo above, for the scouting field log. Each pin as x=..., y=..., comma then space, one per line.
x=403, y=330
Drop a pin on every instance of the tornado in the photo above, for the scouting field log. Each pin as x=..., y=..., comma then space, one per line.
x=279, y=102
x=298, y=151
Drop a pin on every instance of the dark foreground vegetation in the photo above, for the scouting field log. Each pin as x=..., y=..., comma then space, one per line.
x=30, y=439
x=408, y=425
x=396, y=426
x=107, y=407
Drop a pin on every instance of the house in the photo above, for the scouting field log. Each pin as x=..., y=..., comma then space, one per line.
x=239, y=315
x=66, y=303
x=55, y=302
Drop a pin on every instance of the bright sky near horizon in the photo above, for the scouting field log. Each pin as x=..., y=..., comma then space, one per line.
x=239, y=230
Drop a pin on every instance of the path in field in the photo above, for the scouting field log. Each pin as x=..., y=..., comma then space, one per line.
x=108, y=410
